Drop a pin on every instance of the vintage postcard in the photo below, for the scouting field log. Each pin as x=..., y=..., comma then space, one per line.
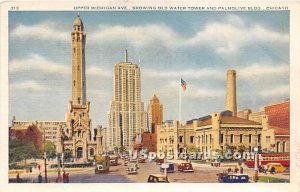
x=184, y=95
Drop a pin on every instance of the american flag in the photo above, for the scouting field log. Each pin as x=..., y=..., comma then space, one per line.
x=183, y=84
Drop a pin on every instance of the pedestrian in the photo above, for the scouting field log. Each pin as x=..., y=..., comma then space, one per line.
x=18, y=178
x=272, y=171
x=67, y=177
x=236, y=170
x=58, y=179
x=64, y=177
x=242, y=170
x=255, y=176
x=40, y=178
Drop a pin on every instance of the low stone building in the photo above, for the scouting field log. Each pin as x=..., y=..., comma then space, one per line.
x=220, y=132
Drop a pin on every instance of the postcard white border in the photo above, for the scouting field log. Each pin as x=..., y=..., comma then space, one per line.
x=294, y=184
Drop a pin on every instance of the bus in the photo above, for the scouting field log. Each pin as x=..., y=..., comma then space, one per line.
x=265, y=158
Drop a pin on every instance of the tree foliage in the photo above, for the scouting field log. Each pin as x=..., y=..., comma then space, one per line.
x=21, y=150
x=50, y=149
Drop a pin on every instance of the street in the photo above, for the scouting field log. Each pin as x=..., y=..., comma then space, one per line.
x=203, y=173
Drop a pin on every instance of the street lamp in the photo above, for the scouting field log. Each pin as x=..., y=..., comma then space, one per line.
x=45, y=157
x=256, y=158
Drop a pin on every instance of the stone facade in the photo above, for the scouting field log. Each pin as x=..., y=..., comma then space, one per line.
x=76, y=137
x=217, y=133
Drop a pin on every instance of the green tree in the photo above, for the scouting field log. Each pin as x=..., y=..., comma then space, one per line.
x=20, y=150
x=242, y=148
x=192, y=148
x=50, y=149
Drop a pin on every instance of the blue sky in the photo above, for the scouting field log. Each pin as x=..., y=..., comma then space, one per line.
x=197, y=46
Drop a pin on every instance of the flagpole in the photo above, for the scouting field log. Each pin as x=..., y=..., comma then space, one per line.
x=179, y=118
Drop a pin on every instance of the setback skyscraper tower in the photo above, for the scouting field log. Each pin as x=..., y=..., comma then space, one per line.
x=126, y=116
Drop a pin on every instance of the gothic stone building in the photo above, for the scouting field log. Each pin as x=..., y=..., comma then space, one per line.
x=76, y=137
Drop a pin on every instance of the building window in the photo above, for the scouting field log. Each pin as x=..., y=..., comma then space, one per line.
x=221, y=138
x=79, y=152
x=74, y=82
x=180, y=139
x=91, y=152
x=258, y=138
x=278, y=147
x=191, y=139
x=250, y=138
x=231, y=138
x=206, y=139
x=241, y=138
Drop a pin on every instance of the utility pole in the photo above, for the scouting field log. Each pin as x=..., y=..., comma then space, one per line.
x=45, y=157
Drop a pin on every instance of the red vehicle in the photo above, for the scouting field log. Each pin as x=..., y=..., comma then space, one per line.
x=185, y=167
x=265, y=158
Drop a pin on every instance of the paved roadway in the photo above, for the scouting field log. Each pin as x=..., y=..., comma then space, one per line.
x=202, y=174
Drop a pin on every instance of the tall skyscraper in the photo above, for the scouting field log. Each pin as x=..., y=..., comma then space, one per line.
x=155, y=114
x=126, y=116
x=231, y=92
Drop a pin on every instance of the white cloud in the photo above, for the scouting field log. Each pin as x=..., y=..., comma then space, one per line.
x=139, y=36
x=99, y=72
x=45, y=31
x=28, y=86
x=186, y=73
x=193, y=92
x=35, y=62
x=203, y=93
x=283, y=90
x=227, y=38
x=256, y=71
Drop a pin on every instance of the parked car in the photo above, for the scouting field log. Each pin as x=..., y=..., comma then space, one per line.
x=132, y=169
x=157, y=178
x=142, y=160
x=233, y=178
x=277, y=167
x=170, y=169
x=159, y=161
x=113, y=160
x=185, y=167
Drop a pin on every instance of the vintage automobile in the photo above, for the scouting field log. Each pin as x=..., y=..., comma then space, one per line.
x=113, y=160
x=185, y=167
x=170, y=168
x=159, y=161
x=101, y=164
x=157, y=178
x=278, y=167
x=233, y=178
x=142, y=160
x=132, y=169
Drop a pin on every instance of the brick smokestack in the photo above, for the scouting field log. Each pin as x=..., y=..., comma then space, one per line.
x=231, y=92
